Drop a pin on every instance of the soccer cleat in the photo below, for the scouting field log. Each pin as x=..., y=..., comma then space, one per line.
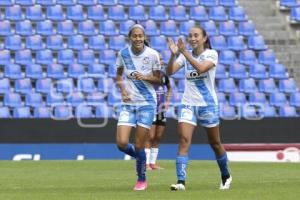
x=177, y=187
x=140, y=185
x=225, y=185
x=155, y=167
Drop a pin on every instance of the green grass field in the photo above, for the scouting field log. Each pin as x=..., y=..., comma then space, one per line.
x=92, y=180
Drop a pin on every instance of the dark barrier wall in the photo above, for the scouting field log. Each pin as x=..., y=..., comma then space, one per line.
x=274, y=130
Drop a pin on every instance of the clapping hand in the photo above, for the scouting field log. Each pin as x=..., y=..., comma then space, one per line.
x=172, y=46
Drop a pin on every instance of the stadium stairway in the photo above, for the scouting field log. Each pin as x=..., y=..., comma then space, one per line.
x=277, y=32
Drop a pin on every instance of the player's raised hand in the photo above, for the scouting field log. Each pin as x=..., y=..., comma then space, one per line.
x=125, y=96
x=172, y=46
x=181, y=45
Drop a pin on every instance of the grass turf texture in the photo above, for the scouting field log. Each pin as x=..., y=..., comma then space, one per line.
x=92, y=180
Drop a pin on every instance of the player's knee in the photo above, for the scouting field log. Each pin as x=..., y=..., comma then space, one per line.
x=121, y=145
x=216, y=145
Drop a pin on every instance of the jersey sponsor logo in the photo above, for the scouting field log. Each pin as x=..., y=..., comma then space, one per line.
x=195, y=75
x=132, y=74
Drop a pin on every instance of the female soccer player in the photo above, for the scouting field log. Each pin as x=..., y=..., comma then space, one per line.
x=199, y=101
x=163, y=92
x=141, y=67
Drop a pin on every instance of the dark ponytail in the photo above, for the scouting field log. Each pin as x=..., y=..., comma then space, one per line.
x=207, y=42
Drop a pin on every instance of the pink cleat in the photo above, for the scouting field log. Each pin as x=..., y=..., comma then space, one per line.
x=140, y=185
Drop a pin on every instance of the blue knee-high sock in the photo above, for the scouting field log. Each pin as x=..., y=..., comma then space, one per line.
x=181, y=164
x=129, y=149
x=223, y=165
x=141, y=164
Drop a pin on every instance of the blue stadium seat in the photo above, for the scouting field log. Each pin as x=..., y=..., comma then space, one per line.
x=267, y=86
x=84, y=112
x=269, y=111
x=227, y=28
x=13, y=42
x=198, y=13
x=117, y=42
x=288, y=85
x=295, y=99
x=227, y=112
x=178, y=13
x=257, y=98
x=42, y=112
x=14, y=13
x=76, y=42
x=12, y=100
x=63, y=112
x=210, y=27
x=75, y=98
x=247, y=28
x=236, y=43
x=43, y=85
x=23, y=57
x=168, y=28
x=65, y=57
x=34, y=13
x=127, y=2
x=104, y=111
x=226, y=85
x=278, y=71
x=97, y=69
x=75, y=70
x=159, y=43
x=288, y=3
x=4, y=85
x=112, y=71
x=95, y=98
x=147, y=2
x=75, y=13
x=54, y=98
x=209, y=3
x=55, y=71
x=86, y=28
x=278, y=99
x=165, y=55
x=34, y=71
x=125, y=25
x=105, y=84
x=221, y=98
x=257, y=43
x=44, y=57
x=167, y=2
x=55, y=42
x=34, y=99
x=34, y=42
x=227, y=57
x=221, y=72
x=4, y=57
x=21, y=112
x=13, y=71
x=45, y=28
x=287, y=111
x=65, y=27
x=23, y=86
x=108, y=28
x=86, y=57
x=237, y=13
x=237, y=99
x=151, y=28
x=257, y=71
x=247, y=85
x=6, y=2
x=267, y=57
x=295, y=14
x=4, y=112
x=46, y=2
x=113, y=99
x=228, y=3
x=66, y=2
x=184, y=27
x=97, y=42
x=55, y=13
x=217, y=13
x=137, y=13
x=107, y=2
x=96, y=13
x=117, y=13
x=188, y=2
x=238, y=71
x=24, y=28
x=65, y=85
x=87, y=85
x=218, y=42
x=5, y=28
x=87, y=2
x=249, y=112
x=247, y=57
x=25, y=2
x=158, y=13
x=107, y=57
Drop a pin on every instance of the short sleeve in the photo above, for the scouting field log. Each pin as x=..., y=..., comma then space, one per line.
x=212, y=56
x=119, y=62
x=156, y=63
x=180, y=60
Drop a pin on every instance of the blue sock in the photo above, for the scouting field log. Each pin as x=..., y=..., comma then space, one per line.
x=129, y=149
x=141, y=164
x=181, y=164
x=223, y=165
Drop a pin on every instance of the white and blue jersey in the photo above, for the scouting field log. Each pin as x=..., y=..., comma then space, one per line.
x=140, y=109
x=199, y=99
